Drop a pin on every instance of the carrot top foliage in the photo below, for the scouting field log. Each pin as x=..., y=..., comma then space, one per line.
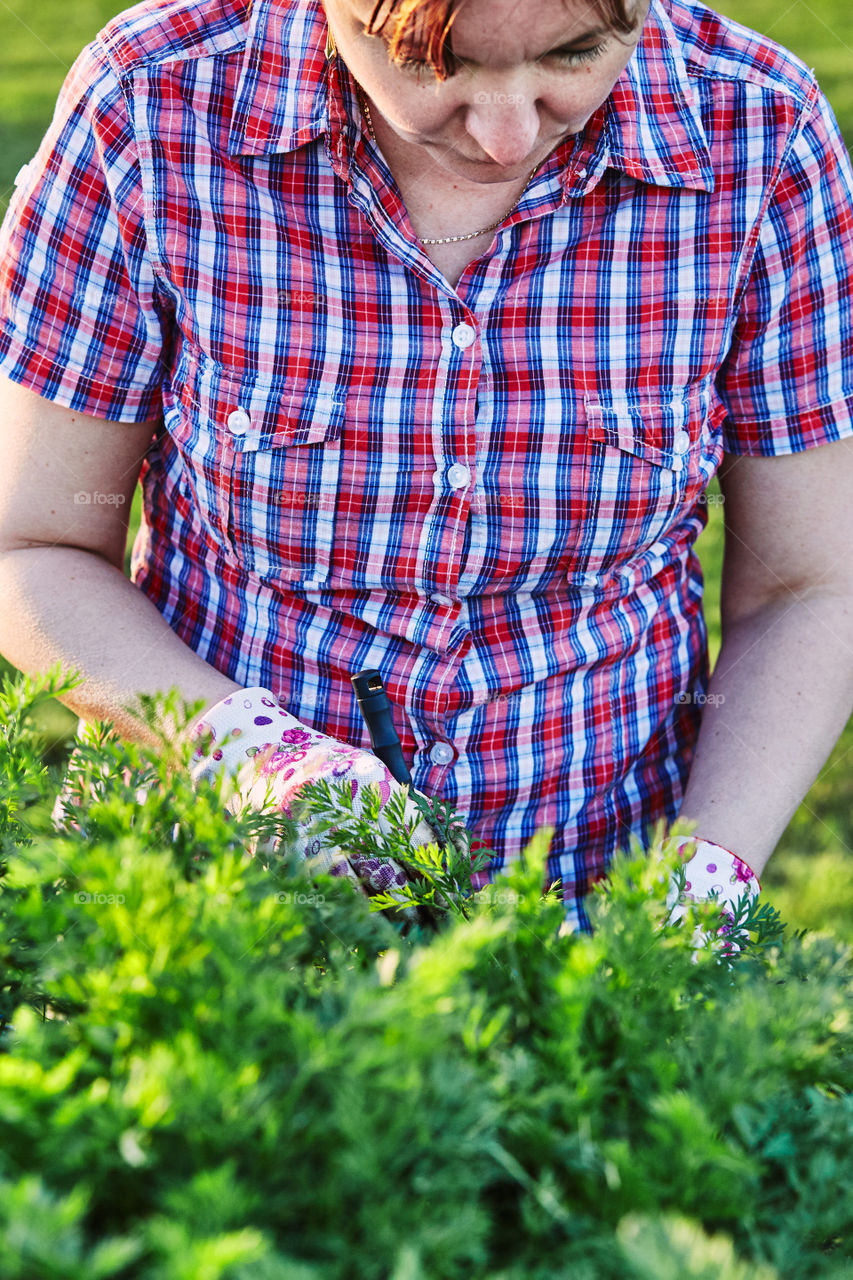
x=214, y=1065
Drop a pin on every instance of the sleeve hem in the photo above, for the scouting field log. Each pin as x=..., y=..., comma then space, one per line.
x=777, y=437
x=73, y=388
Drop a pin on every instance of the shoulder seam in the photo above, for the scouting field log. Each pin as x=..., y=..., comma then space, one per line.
x=125, y=59
x=697, y=72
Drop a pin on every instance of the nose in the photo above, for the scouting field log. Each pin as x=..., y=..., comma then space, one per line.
x=504, y=123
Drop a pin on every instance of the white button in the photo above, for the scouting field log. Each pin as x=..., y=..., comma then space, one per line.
x=442, y=753
x=681, y=443
x=21, y=174
x=457, y=476
x=239, y=422
x=591, y=579
x=463, y=336
x=440, y=599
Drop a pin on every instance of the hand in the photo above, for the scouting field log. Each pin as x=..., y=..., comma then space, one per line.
x=712, y=871
x=270, y=756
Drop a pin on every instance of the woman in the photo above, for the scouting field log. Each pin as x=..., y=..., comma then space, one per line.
x=442, y=316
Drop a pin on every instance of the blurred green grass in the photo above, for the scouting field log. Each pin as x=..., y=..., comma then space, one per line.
x=810, y=878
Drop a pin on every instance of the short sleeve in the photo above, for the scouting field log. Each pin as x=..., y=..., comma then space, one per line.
x=81, y=321
x=787, y=380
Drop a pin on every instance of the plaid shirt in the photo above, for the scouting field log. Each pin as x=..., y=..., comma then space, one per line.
x=491, y=493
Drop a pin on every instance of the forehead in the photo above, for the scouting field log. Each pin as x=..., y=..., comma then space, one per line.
x=504, y=29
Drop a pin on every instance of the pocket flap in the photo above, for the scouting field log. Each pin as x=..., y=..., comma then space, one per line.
x=656, y=430
x=255, y=412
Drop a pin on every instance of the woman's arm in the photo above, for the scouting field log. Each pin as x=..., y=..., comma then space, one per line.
x=782, y=689
x=66, y=488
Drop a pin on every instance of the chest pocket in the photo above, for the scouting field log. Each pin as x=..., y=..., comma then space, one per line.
x=646, y=462
x=260, y=461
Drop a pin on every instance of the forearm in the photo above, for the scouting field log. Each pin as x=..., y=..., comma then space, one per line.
x=67, y=605
x=780, y=696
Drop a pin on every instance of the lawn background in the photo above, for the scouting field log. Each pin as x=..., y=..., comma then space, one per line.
x=810, y=877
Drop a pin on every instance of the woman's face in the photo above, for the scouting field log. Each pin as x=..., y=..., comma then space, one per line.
x=529, y=74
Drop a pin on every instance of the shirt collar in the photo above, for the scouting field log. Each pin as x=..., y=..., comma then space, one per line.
x=652, y=129
x=281, y=99
x=649, y=127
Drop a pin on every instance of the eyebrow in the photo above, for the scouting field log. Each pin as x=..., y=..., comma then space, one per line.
x=587, y=35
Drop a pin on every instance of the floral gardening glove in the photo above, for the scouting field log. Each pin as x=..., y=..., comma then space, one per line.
x=710, y=871
x=270, y=754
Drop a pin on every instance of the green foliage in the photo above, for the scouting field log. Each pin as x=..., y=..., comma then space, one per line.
x=439, y=877
x=218, y=1066
x=810, y=877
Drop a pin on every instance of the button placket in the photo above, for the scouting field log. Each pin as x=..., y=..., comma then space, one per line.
x=453, y=427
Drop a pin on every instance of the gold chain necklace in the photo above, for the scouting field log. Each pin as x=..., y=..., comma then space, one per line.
x=331, y=52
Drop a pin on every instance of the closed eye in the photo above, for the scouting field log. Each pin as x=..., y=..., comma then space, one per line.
x=573, y=57
x=565, y=56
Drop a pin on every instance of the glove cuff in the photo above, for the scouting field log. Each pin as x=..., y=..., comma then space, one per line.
x=238, y=727
x=709, y=868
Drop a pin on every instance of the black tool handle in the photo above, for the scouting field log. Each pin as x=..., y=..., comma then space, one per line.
x=376, y=708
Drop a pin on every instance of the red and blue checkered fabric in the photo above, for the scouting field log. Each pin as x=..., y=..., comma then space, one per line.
x=491, y=493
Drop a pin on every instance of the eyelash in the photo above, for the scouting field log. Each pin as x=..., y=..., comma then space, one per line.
x=570, y=58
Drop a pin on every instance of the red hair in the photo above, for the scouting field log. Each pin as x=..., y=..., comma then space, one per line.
x=419, y=30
